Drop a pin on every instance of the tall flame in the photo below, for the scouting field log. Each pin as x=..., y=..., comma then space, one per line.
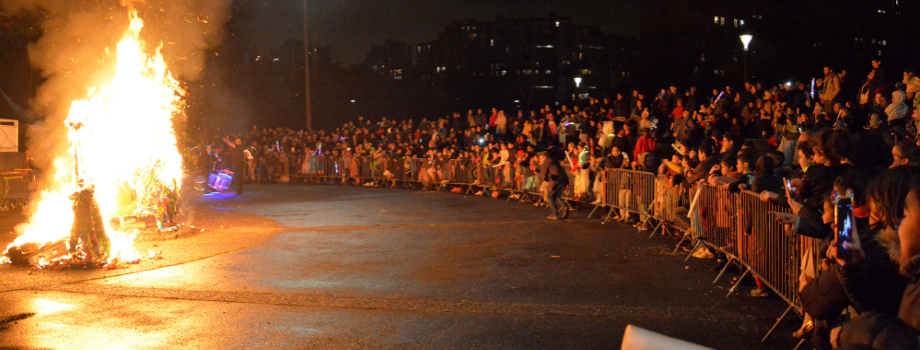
x=125, y=140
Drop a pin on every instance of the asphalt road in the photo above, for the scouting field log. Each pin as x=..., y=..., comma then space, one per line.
x=333, y=267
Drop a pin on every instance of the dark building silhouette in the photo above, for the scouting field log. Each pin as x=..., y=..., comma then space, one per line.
x=522, y=61
x=697, y=42
x=392, y=58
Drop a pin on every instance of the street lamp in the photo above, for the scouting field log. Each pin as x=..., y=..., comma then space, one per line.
x=577, y=85
x=745, y=40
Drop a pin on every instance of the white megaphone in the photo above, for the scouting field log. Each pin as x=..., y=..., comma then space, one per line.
x=637, y=338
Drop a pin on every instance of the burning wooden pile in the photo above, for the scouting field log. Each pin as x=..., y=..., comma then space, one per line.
x=72, y=217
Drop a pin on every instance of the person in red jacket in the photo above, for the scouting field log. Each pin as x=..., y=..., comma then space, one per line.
x=644, y=144
x=493, y=118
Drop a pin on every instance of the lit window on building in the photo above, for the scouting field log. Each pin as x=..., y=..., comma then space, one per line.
x=716, y=19
x=703, y=57
x=742, y=21
x=722, y=20
x=492, y=42
x=557, y=24
x=549, y=71
x=736, y=23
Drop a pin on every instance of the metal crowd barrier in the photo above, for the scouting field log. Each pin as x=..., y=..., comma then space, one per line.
x=667, y=200
x=629, y=192
x=717, y=216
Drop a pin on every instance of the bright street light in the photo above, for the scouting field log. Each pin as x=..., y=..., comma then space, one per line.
x=746, y=40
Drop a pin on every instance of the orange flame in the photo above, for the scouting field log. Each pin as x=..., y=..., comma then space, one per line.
x=126, y=141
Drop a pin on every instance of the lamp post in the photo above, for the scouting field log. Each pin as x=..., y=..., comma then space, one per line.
x=306, y=69
x=577, y=85
x=745, y=40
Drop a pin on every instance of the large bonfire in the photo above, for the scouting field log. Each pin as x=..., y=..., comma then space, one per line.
x=122, y=148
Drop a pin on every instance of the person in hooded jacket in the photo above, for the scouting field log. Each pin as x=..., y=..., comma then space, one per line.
x=897, y=110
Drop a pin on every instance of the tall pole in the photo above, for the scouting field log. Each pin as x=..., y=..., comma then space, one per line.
x=745, y=40
x=745, y=67
x=306, y=69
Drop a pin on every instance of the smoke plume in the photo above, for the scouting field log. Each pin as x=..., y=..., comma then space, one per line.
x=76, y=51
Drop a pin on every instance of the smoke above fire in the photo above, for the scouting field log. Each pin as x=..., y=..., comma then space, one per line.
x=77, y=49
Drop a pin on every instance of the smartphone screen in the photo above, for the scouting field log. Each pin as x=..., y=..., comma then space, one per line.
x=844, y=216
x=788, y=184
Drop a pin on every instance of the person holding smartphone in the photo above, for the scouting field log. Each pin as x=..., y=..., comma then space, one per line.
x=872, y=285
x=900, y=328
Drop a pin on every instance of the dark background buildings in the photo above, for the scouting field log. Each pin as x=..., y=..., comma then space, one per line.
x=523, y=61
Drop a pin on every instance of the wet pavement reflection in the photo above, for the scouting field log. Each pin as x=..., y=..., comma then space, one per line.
x=391, y=269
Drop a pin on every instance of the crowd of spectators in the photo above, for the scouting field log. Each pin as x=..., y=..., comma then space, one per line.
x=828, y=137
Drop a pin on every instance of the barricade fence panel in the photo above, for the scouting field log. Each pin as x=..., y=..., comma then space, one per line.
x=529, y=182
x=717, y=219
x=765, y=247
x=667, y=199
x=569, y=193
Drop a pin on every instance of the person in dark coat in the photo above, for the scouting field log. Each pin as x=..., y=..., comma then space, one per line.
x=238, y=163
x=887, y=329
x=701, y=171
x=763, y=177
x=555, y=179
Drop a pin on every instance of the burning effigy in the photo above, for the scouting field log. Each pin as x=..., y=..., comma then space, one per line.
x=122, y=160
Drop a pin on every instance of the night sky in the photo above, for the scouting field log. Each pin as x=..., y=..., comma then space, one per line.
x=352, y=26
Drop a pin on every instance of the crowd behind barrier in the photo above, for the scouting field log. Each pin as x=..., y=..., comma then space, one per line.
x=742, y=175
